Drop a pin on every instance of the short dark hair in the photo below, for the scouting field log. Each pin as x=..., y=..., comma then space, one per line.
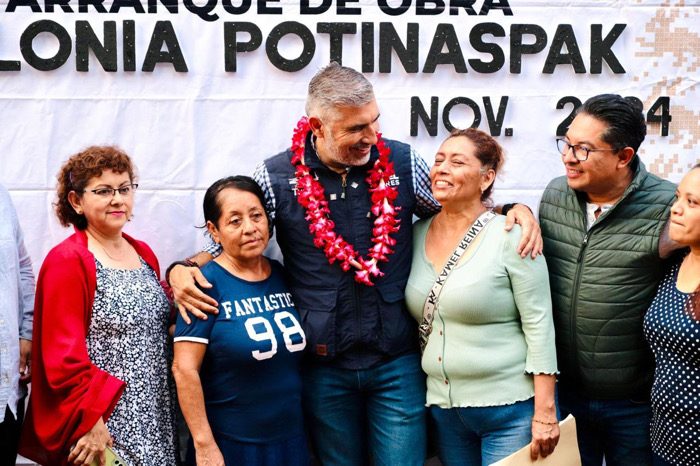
x=76, y=172
x=211, y=204
x=623, y=117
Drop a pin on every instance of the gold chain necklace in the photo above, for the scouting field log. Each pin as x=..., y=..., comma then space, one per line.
x=105, y=249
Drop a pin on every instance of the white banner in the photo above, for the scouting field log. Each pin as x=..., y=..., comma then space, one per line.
x=198, y=90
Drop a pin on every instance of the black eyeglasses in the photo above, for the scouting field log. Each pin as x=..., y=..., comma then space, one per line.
x=581, y=153
x=124, y=191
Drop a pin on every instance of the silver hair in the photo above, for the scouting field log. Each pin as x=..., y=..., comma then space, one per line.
x=336, y=85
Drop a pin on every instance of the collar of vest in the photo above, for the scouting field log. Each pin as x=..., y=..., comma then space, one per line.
x=312, y=160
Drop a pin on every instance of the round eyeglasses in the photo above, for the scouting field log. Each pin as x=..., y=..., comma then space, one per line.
x=581, y=153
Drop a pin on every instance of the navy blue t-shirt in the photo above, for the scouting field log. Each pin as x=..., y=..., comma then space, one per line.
x=250, y=372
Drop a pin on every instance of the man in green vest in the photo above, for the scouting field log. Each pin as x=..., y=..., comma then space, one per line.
x=605, y=234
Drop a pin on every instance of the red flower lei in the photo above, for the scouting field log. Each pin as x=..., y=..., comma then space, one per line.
x=310, y=195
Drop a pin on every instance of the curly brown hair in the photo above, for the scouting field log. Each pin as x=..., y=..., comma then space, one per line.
x=76, y=172
x=488, y=151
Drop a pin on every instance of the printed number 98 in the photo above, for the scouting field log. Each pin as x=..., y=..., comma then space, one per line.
x=287, y=324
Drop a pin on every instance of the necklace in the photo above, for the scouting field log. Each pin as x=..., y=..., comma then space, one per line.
x=105, y=249
x=310, y=195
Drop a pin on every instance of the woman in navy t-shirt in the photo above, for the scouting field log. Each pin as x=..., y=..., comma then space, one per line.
x=237, y=372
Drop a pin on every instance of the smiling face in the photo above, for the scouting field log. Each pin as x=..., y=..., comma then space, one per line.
x=109, y=214
x=600, y=176
x=345, y=135
x=456, y=176
x=242, y=229
x=685, y=212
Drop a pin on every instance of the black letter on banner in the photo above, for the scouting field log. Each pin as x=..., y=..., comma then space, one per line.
x=418, y=111
x=518, y=49
x=203, y=11
x=96, y=4
x=663, y=103
x=170, y=5
x=118, y=4
x=85, y=39
x=421, y=9
x=232, y=46
x=457, y=101
x=236, y=10
x=496, y=5
x=129, y=40
x=368, y=47
x=305, y=7
x=477, y=42
x=263, y=9
x=13, y=4
x=399, y=10
x=343, y=9
x=389, y=40
x=564, y=36
x=64, y=4
x=575, y=104
x=64, y=45
x=601, y=48
x=10, y=65
x=336, y=32
x=163, y=33
x=281, y=30
x=495, y=122
x=445, y=36
x=468, y=6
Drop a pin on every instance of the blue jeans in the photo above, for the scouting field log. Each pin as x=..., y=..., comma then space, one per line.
x=481, y=435
x=378, y=411
x=616, y=429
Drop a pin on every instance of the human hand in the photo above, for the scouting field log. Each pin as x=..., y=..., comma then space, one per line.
x=209, y=455
x=187, y=296
x=25, y=360
x=544, y=439
x=531, y=238
x=91, y=446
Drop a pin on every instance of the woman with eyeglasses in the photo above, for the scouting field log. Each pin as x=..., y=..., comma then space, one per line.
x=101, y=345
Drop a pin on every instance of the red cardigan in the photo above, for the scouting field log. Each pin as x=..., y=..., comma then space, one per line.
x=68, y=393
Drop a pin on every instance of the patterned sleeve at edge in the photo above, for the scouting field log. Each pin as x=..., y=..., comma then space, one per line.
x=426, y=205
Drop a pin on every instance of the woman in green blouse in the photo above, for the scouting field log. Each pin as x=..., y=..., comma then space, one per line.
x=490, y=357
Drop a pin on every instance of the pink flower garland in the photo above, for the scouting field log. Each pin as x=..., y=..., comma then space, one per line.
x=310, y=195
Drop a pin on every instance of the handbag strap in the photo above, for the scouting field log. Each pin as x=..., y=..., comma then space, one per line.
x=430, y=305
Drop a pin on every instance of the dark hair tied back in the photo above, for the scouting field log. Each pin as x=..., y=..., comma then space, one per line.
x=211, y=204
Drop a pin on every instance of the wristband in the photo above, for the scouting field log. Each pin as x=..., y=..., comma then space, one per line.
x=171, y=266
x=506, y=208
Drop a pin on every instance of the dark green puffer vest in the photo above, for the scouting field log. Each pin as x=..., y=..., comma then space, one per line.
x=602, y=283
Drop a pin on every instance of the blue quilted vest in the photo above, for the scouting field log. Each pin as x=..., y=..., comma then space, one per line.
x=347, y=324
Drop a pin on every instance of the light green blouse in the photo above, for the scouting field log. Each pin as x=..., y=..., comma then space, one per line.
x=493, y=326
